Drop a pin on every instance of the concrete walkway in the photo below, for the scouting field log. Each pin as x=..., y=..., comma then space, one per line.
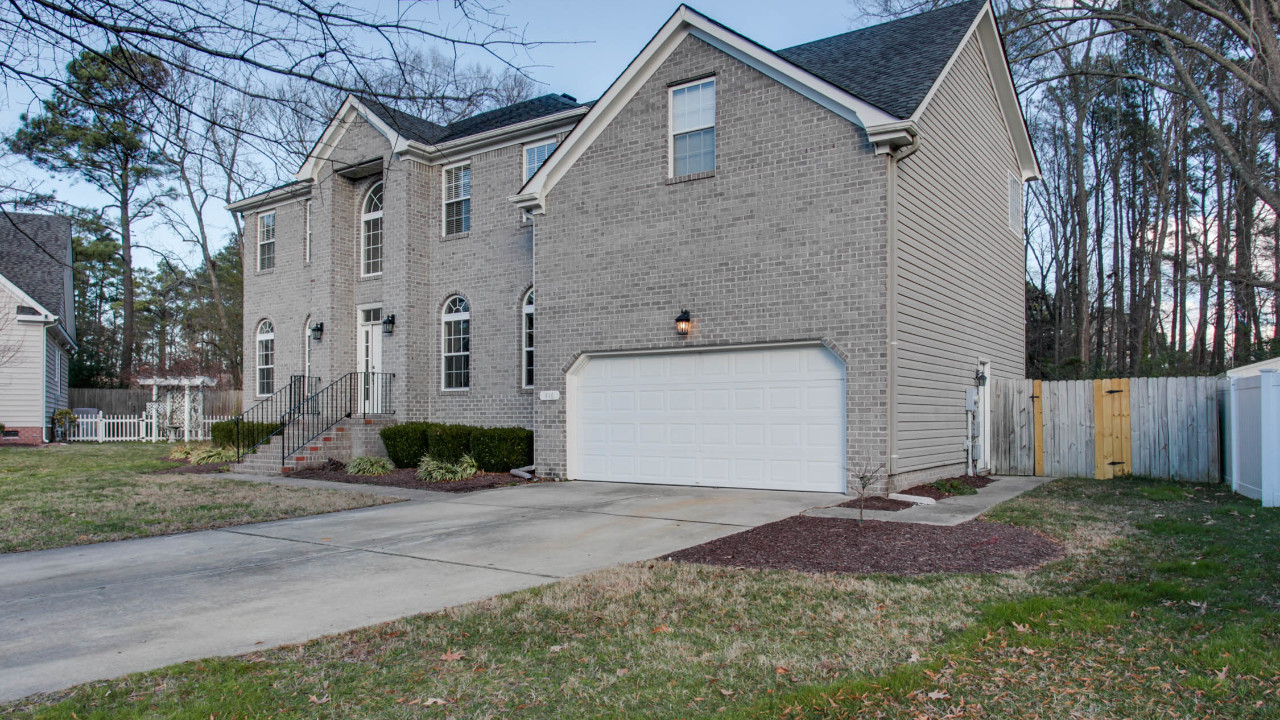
x=85, y=613
x=950, y=511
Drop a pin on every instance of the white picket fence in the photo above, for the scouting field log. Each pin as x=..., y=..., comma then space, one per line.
x=1252, y=430
x=134, y=428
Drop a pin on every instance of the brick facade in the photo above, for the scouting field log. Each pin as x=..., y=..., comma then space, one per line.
x=785, y=242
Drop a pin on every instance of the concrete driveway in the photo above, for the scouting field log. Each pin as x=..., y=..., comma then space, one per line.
x=86, y=613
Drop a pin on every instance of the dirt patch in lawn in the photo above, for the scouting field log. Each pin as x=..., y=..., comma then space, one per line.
x=335, y=471
x=186, y=468
x=816, y=544
x=876, y=502
x=936, y=489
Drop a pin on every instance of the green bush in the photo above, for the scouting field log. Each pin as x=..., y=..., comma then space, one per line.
x=501, y=449
x=251, y=433
x=406, y=443
x=448, y=443
x=369, y=466
x=953, y=486
x=433, y=470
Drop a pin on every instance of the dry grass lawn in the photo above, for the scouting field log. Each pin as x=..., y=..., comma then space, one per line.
x=77, y=494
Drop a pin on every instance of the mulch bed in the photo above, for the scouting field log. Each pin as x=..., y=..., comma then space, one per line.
x=875, y=502
x=186, y=468
x=931, y=491
x=817, y=544
x=335, y=471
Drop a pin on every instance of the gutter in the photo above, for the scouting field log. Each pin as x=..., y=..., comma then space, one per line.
x=293, y=190
x=473, y=144
x=53, y=321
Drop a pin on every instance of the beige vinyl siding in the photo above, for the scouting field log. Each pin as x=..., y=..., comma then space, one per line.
x=959, y=266
x=22, y=375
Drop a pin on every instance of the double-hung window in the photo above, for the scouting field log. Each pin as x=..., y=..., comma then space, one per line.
x=371, y=232
x=266, y=338
x=693, y=127
x=457, y=199
x=267, y=241
x=535, y=155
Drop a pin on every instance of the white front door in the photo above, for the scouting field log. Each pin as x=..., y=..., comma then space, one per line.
x=768, y=418
x=369, y=359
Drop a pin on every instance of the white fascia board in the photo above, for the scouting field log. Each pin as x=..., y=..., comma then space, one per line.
x=984, y=28
x=543, y=127
x=684, y=22
x=25, y=299
x=351, y=107
x=272, y=199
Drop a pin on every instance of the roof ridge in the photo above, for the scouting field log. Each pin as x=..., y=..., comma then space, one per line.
x=883, y=23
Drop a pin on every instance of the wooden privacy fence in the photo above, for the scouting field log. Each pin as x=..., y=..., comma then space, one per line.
x=133, y=401
x=1162, y=427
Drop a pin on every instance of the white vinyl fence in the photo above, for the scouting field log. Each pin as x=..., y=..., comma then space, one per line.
x=135, y=428
x=1253, y=431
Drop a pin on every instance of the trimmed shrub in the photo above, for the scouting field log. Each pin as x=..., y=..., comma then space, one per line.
x=501, y=449
x=251, y=433
x=448, y=443
x=406, y=443
x=433, y=470
x=369, y=466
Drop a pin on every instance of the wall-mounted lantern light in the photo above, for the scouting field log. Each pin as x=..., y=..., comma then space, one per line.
x=683, y=323
x=317, y=331
x=388, y=324
x=979, y=378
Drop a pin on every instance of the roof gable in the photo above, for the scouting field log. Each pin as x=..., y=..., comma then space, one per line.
x=35, y=256
x=892, y=65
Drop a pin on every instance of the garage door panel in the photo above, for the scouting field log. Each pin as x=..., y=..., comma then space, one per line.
x=759, y=418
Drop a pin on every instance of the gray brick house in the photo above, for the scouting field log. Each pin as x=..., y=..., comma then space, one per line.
x=752, y=268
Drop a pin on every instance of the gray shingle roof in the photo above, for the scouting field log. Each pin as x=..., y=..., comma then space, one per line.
x=32, y=269
x=415, y=128
x=891, y=65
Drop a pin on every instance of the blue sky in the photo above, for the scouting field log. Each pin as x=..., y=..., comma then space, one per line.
x=593, y=40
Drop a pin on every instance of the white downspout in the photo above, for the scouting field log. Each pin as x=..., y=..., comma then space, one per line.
x=891, y=281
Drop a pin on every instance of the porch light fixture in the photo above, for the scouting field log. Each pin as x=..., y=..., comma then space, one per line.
x=388, y=324
x=979, y=378
x=317, y=331
x=683, y=323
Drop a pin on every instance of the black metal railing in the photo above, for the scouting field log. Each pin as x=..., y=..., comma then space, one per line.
x=261, y=422
x=357, y=394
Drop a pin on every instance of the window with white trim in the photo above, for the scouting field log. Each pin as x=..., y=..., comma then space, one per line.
x=371, y=232
x=693, y=127
x=457, y=199
x=1015, y=204
x=526, y=320
x=456, y=344
x=306, y=248
x=267, y=241
x=266, y=358
x=535, y=155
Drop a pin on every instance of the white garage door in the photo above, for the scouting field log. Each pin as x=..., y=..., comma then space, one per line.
x=752, y=418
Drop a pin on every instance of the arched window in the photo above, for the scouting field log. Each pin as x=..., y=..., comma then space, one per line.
x=266, y=358
x=526, y=319
x=371, y=232
x=456, y=336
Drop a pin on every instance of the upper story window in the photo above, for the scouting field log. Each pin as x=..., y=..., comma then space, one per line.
x=456, y=343
x=371, y=232
x=266, y=358
x=306, y=247
x=535, y=155
x=693, y=127
x=457, y=199
x=267, y=241
x=526, y=318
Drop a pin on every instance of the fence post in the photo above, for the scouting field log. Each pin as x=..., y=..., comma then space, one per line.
x=1269, y=427
x=102, y=426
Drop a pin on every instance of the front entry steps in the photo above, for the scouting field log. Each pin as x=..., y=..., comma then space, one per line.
x=352, y=437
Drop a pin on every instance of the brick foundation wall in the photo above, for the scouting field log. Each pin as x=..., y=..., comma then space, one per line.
x=26, y=436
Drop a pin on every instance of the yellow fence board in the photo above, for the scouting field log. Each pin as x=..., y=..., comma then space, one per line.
x=1112, y=433
x=1037, y=422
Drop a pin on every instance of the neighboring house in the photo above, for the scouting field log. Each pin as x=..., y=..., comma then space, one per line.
x=1252, y=369
x=37, y=323
x=841, y=220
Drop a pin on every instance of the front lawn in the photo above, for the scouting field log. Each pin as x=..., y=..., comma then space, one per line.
x=62, y=495
x=1165, y=606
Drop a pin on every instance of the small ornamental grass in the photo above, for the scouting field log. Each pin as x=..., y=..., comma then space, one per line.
x=369, y=466
x=432, y=470
x=210, y=456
